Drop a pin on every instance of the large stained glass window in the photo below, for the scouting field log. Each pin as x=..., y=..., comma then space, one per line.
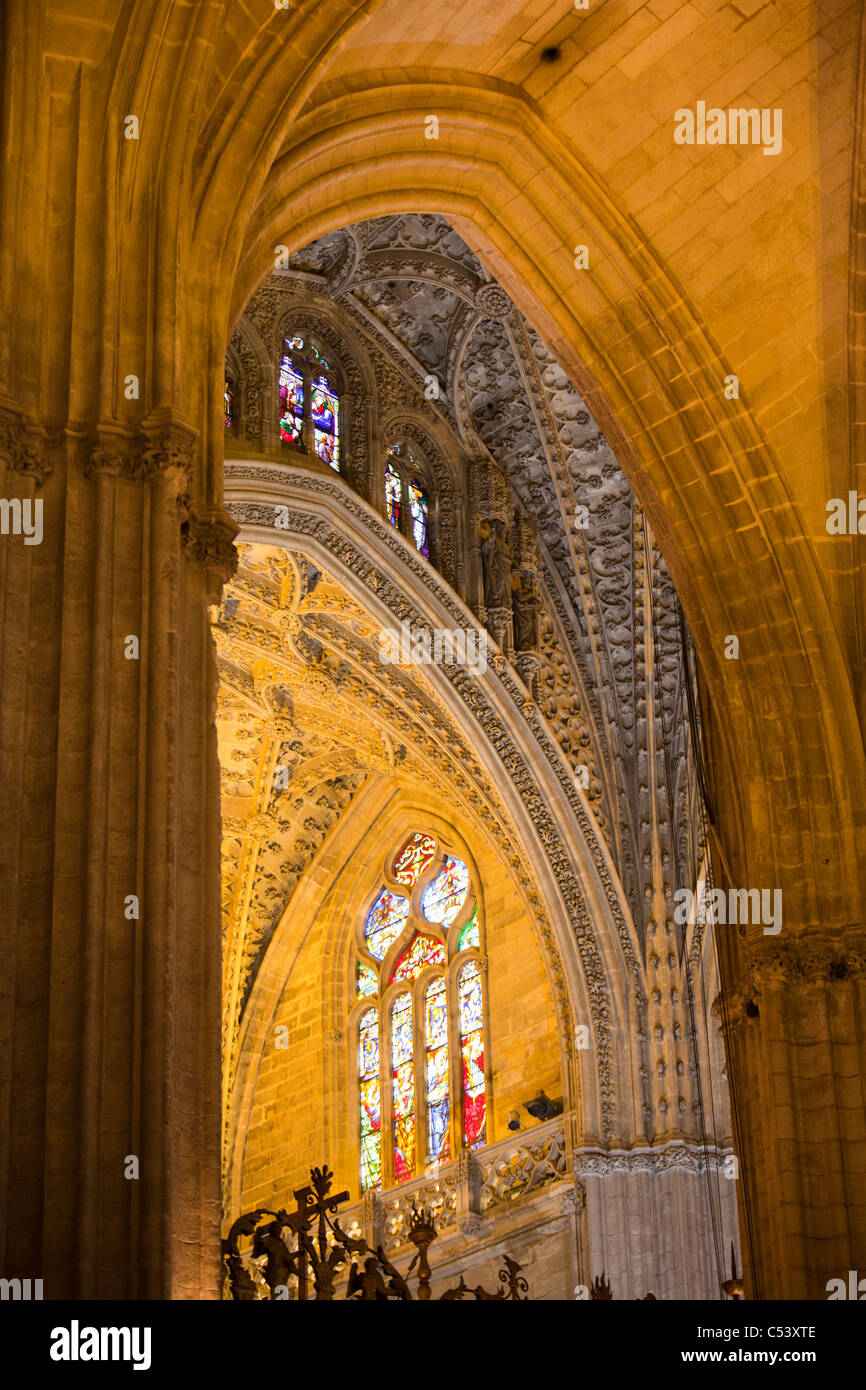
x=305, y=392
x=418, y=995
x=469, y=997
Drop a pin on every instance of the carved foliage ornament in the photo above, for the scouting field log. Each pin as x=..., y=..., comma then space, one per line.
x=24, y=445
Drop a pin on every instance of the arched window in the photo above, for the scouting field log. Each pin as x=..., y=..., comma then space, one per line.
x=407, y=496
x=419, y=1017
x=309, y=407
x=229, y=402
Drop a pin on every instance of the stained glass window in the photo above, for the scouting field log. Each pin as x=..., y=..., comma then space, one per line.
x=393, y=490
x=365, y=981
x=444, y=897
x=325, y=409
x=229, y=402
x=421, y=952
x=385, y=921
x=303, y=387
x=403, y=1075
x=414, y=858
x=469, y=1000
x=431, y=1088
x=436, y=1070
x=419, y=507
x=469, y=934
x=371, y=1128
x=291, y=403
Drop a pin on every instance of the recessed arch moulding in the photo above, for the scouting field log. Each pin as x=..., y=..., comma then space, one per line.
x=498, y=783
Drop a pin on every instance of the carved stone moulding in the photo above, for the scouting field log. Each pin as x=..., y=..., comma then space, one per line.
x=682, y=1157
x=208, y=539
x=25, y=444
x=808, y=964
x=160, y=448
x=493, y=302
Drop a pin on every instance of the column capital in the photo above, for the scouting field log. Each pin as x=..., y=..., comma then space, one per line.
x=24, y=444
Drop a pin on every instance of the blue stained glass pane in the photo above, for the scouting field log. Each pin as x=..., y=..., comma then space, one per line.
x=369, y=1044
x=444, y=897
x=385, y=921
x=469, y=998
x=436, y=1029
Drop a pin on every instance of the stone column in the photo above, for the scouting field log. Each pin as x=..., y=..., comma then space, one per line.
x=795, y=1035
x=109, y=836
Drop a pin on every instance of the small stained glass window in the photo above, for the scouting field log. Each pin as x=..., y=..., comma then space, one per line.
x=229, y=402
x=385, y=922
x=414, y=859
x=444, y=897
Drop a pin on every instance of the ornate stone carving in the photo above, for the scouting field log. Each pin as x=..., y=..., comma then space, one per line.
x=148, y=452
x=493, y=302
x=529, y=1166
x=208, y=540
x=24, y=445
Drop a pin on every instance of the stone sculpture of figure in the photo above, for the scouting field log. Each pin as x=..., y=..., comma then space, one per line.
x=524, y=604
x=496, y=564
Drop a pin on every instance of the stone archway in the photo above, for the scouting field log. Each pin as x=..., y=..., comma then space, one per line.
x=137, y=542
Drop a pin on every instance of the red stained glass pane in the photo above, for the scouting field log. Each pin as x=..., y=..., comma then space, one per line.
x=403, y=1081
x=421, y=952
x=470, y=1005
x=371, y=1135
